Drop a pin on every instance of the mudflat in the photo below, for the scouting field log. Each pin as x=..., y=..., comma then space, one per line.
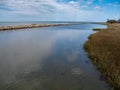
x=103, y=48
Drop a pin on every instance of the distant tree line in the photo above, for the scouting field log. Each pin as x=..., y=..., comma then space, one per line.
x=113, y=21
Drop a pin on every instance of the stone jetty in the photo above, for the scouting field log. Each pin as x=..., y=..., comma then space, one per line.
x=2, y=28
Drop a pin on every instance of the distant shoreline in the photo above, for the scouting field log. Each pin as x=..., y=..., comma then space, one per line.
x=15, y=27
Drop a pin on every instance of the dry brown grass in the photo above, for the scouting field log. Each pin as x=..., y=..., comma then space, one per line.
x=104, y=49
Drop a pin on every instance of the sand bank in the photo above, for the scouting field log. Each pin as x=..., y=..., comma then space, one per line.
x=29, y=26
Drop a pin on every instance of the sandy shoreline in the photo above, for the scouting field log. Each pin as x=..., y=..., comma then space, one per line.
x=103, y=48
x=13, y=27
x=16, y=27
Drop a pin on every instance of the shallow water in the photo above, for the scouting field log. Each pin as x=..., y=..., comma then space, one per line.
x=50, y=58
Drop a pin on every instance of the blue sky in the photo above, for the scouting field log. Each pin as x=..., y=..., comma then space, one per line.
x=59, y=10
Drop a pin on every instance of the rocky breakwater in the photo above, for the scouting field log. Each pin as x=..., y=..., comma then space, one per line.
x=2, y=28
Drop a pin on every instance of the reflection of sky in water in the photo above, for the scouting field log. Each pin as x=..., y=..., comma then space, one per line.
x=47, y=59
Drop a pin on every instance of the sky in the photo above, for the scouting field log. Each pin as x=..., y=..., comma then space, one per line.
x=59, y=10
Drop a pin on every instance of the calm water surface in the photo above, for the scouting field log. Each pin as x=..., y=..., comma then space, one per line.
x=50, y=58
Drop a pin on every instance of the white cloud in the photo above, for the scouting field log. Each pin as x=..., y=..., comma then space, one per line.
x=52, y=10
x=90, y=2
x=97, y=7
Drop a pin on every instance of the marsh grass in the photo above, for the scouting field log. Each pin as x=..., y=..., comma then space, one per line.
x=103, y=48
x=97, y=29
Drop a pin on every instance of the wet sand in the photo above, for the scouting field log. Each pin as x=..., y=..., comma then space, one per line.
x=103, y=48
